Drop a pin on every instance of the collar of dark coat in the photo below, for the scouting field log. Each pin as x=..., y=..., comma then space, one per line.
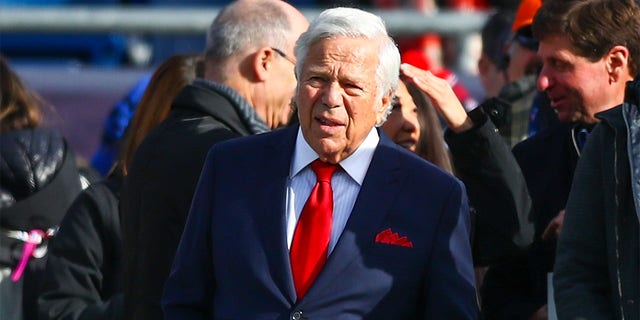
x=219, y=101
x=624, y=120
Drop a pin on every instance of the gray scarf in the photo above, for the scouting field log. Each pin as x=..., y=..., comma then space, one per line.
x=245, y=110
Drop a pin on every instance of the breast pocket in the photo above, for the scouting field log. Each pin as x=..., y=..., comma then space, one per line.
x=398, y=261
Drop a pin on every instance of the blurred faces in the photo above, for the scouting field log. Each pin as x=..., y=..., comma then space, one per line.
x=577, y=87
x=522, y=61
x=337, y=96
x=402, y=125
x=491, y=76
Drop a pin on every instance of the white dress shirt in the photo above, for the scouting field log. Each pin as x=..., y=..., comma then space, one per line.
x=346, y=183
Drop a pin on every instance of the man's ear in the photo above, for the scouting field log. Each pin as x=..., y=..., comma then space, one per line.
x=617, y=63
x=263, y=61
x=386, y=101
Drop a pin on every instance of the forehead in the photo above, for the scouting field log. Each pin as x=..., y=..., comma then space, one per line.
x=357, y=55
x=557, y=47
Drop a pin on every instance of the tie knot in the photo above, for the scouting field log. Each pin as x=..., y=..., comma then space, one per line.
x=323, y=170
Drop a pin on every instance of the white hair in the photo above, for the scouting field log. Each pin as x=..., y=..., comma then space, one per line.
x=355, y=23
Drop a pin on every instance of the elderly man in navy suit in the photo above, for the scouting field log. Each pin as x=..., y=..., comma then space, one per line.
x=328, y=219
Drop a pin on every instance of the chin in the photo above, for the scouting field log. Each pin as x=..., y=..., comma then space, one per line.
x=566, y=117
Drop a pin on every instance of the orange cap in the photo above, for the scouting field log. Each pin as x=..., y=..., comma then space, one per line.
x=526, y=11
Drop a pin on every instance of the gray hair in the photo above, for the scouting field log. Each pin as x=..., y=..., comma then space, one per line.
x=355, y=23
x=244, y=25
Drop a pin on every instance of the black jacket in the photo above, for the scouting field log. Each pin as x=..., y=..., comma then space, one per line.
x=157, y=192
x=83, y=277
x=517, y=288
x=496, y=188
x=38, y=181
x=597, y=272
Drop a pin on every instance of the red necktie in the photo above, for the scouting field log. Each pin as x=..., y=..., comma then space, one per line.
x=311, y=238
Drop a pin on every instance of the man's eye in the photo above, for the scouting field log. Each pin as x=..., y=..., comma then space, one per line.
x=315, y=81
x=560, y=65
x=352, y=89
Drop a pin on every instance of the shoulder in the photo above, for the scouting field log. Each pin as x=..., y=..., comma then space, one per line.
x=419, y=171
x=99, y=201
x=613, y=117
x=104, y=189
x=258, y=143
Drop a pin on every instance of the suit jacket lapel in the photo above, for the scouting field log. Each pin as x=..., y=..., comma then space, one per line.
x=379, y=188
x=272, y=206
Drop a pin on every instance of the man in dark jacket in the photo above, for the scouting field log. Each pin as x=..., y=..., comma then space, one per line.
x=248, y=86
x=598, y=261
x=589, y=50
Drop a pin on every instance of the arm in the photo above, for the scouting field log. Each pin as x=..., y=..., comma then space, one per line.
x=497, y=190
x=450, y=285
x=482, y=160
x=581, y=275
x=188, y=292
x=81, y=266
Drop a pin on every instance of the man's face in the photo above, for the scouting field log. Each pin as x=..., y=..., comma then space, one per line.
x=577, y=87
x=491, y=77
x=522, y=61
x=281, y=89
x=402, y=125
x=337, y=95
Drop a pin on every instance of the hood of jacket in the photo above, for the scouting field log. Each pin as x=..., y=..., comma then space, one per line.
x=29, y=159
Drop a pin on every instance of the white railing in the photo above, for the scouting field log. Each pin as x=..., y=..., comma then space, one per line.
x=193, y=20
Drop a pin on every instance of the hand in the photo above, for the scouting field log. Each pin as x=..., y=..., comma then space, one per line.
x=441, y=94
x=541, y=314
x=555, y=227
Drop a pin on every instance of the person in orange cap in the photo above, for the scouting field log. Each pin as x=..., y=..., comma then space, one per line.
x=520, y=92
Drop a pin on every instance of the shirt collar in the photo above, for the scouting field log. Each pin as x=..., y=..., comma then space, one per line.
x=355, y=165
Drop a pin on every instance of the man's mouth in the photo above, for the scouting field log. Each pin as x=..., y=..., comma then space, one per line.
x=554, y=102
x=328, y=122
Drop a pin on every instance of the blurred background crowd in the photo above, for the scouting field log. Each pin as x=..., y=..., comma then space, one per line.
x=93, y=95
x=108, y=71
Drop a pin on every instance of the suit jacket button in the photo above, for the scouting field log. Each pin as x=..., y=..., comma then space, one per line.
x=296, y=315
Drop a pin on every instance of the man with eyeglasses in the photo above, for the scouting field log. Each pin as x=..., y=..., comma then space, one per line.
x=247, y=89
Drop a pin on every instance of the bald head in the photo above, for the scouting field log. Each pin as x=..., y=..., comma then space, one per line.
x=245, y=25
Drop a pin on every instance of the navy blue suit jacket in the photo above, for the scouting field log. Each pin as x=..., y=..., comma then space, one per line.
x=233, y=260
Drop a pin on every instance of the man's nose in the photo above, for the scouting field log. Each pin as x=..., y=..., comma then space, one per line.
x=543, y=80
x=332, y=95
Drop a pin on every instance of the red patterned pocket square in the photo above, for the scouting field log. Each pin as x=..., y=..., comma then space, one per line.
x=389, y=237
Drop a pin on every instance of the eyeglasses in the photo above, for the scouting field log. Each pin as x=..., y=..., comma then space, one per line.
x=282, y=54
